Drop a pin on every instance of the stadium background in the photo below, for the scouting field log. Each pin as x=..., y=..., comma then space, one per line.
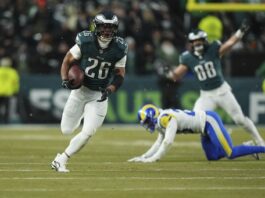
x=37, y=34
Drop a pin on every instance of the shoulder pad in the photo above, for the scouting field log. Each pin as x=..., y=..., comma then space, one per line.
x=84, y=37
x=121, y=43
x=164, y=120
x=218, y=42
x=184, y=56
x=185, y=53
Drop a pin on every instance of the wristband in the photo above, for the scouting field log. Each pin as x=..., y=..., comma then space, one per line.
x=117, y=81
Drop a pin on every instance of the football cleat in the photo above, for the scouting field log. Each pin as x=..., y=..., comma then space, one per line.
x=59, y=166
x=256, y=156
x=252, y=143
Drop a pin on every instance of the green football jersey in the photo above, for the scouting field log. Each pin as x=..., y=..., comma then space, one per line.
x=99, y=63
x=207, y=68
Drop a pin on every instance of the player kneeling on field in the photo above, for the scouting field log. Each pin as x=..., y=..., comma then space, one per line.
x=216, y=142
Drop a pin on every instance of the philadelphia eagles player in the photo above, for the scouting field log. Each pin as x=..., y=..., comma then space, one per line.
x=204, y=61
x=216, y=141
x=102, y=56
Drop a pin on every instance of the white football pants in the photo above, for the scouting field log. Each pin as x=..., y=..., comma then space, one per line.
x=82, y=103
x=227, y=101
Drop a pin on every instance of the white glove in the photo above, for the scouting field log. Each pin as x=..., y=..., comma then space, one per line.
x=136, y=159
x=148, y=160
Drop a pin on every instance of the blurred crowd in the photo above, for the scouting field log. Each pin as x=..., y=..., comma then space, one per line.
x=36, y=34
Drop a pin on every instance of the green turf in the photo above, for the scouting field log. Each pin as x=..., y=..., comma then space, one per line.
x=101, y=170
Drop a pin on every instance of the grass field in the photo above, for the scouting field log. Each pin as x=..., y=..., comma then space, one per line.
x=101, y=168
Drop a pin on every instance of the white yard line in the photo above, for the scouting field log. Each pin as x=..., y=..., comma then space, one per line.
x=247, y=170
x=132, y=178
x=154, y=189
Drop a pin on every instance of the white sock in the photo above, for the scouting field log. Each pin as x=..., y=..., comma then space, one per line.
x=249, y=126
x=63, y=158
x=77, y=143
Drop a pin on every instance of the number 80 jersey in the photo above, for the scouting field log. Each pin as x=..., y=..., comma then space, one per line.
x=207, y=68
x=99, y=63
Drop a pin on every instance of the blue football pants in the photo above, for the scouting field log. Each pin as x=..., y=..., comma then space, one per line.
x=217, y=143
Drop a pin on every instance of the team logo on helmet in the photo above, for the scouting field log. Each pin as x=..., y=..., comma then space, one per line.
x=196, y=35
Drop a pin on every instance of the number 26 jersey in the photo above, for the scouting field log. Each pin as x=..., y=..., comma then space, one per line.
x=98, y=63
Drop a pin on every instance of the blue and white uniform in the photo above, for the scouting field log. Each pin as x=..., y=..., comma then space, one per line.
x=216, y=141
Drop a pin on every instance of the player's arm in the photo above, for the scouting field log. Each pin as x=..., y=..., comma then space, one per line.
x=67, y=61
x=71, y=56
x=118, y=79
x=234, y=39
x=119, y=73
x=166, y=143
x=179, y=72
x=151, y=151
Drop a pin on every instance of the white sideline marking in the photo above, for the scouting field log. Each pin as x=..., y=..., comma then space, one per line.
x=150, y=169
x=155, y=189
x=131, y=178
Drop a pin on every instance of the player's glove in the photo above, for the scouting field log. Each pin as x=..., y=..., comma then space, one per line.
x=136, y=159
x=244, y=26
x=67, y=84
x=105, y=94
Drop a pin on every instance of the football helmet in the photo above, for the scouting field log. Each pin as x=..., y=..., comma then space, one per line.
x=106, y=26
x=147, y=116
x=198, y=40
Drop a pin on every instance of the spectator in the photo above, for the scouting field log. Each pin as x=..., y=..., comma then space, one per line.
x=167, y=56
x=213, y=26
x=9, y=81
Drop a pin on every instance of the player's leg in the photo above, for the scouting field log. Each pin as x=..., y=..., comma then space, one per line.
x=218, y=135
x=211, y=151
x=72, y=113
x=204, y=103
x=229, y=103
x=94, y=116
x=243, y=150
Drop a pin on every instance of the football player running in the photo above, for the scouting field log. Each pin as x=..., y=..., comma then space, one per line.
x=216, y=141
x=204, y=60
x=102, y=56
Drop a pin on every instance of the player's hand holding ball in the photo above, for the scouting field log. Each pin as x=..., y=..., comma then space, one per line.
x=75, y=78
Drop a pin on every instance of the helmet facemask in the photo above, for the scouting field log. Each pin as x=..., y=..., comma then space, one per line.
x=198, y=46
x=198, y=40
x=106, y=26
x=149, y=124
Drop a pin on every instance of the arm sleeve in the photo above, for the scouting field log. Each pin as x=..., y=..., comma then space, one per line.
x=76, y=52
x=168, y=140
x=154, y=147
x=121, y=62
x=216, y=46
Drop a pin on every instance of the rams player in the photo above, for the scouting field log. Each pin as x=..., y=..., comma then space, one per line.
x=204, y=60
x=215, y=140
x=102, y=56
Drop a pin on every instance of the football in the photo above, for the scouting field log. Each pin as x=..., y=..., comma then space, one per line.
x=76, y=76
